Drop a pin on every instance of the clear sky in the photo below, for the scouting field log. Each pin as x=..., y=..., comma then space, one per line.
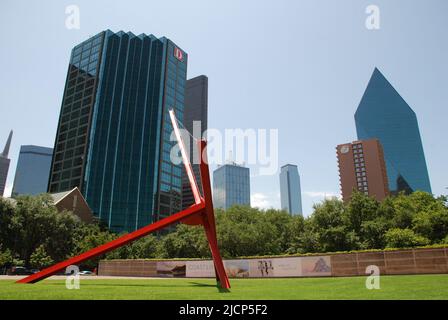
x=299, y=66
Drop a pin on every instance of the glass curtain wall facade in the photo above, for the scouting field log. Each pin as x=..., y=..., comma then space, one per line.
x=383, y=114
x=196, y=102
x=290, y=192
x=125, y=170
x=33, y=168
x=231, y=186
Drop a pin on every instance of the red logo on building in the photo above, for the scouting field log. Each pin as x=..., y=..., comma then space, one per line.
x=178, y=54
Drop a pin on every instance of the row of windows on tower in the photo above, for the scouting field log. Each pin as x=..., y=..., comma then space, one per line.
x=72, y=136
x=70, y=104
x=85, y=56
x=360, y=169
x=88, y=44
x=171, y=181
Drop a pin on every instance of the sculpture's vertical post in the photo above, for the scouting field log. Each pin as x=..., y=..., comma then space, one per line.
x=208, y=219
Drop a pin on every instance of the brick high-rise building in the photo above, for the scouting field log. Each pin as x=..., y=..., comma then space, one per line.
x=362, y=168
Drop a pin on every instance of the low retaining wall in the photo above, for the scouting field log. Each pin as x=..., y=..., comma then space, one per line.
x=413, y=261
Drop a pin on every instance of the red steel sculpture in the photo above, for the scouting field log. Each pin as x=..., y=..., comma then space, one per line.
x=200, y=213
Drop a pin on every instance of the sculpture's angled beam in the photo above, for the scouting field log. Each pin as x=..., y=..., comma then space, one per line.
x=186, y=161
x=121, y=241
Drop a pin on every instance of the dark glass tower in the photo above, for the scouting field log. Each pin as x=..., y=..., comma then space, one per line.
x=196, y=102
x=383, y=114
x=113, y=138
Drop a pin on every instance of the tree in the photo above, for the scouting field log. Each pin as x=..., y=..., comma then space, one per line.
x=185, y=242
x=89, y=236
x=360, y=209
x=404, y=238
x=329, y=221
x=404, y=211
x=36, y=221
x=374, y=231
x=431, y=218
x=6, y=258
x=34, y=233
x=6, y=217
x=40, y=259
x=145, y=248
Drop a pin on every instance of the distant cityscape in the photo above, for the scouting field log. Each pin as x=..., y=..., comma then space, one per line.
x=112, y=145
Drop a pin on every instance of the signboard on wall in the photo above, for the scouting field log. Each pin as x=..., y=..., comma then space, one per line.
x=280, y=267
x=316, y=266
x=249, y=268
x=200, y=269
x=171, y=269
x=237, y=268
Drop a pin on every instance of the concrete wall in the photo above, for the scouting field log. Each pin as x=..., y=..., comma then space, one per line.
x=414, y=261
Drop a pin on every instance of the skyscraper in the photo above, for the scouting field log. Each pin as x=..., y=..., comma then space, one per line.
x=383, y=114
x=196, y=101
x=290, y=192
x=231, y=186
x=113, y=137
x=362, y=167
x=4, y=165
x=33, y=169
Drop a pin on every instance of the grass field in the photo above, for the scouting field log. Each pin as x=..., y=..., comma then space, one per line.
x=392, y=287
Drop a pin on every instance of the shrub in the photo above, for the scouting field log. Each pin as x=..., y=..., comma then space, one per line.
x=404, y=238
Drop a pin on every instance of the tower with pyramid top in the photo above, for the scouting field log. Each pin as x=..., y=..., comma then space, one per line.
x=385, y=115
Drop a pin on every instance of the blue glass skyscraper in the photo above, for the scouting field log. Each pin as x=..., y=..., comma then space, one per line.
x=231, y=186
x=33, y=168
x=113, y=138
x=290, y=192
x=383, y=114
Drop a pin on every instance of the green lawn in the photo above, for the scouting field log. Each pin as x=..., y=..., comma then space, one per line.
x=392, y=287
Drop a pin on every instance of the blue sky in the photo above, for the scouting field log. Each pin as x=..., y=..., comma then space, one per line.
x=299, y=66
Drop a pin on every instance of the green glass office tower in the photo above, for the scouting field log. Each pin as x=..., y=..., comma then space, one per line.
x=383, y=114
x=113, y=137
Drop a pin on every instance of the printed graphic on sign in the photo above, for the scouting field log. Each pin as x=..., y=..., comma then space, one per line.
x=178, y=54
x=261, y=268
x=287, y=267
x=200, y=269
x=237, y=268
x=316, y=266
x=172, y=269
